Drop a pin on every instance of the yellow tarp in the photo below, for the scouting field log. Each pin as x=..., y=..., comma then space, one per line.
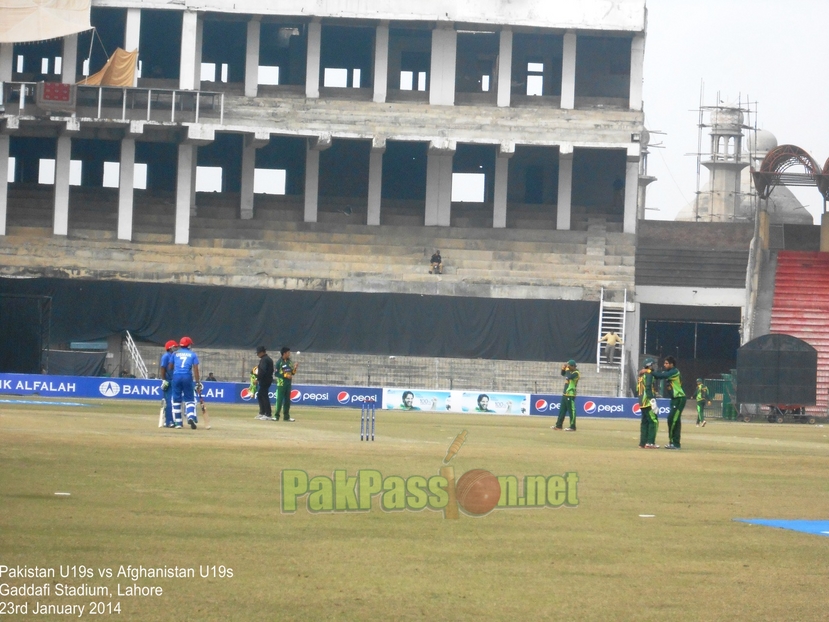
x=36, y=20
x=118, y=71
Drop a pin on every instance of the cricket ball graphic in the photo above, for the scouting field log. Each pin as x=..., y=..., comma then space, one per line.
x=478, y=492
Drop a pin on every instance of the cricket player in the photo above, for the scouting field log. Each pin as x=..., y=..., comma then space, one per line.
x=264, y=380
x=568, y=400
x=185, y=374
x=673, y=387
x=650, y=423
x=285, y=370
x=701, y=396
x=165, y=366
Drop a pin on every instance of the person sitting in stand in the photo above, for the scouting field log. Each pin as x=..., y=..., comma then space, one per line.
x=436, y=263
x=210, y=377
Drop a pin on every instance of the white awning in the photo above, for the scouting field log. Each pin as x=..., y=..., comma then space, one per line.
x=35, y=20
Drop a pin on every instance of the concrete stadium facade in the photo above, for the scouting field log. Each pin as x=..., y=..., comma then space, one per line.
x=368, y=115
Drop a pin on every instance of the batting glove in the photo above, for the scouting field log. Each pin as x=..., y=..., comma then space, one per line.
x=165, y=384
x=199, y=387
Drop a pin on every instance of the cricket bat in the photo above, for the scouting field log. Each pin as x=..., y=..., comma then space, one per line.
x=161, y=413
x=204, y=411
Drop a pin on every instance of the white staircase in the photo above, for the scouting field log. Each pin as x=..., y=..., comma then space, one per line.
x=612, y=318
x=135, y=355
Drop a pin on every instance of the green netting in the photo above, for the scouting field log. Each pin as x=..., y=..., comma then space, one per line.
x=721, y=393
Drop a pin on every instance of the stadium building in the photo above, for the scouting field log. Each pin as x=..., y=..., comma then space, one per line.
x=312, y=158
x=282, y=172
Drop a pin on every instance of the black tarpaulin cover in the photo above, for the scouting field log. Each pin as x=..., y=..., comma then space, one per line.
x=359, y=323
x=67, y=363
x=777, y=369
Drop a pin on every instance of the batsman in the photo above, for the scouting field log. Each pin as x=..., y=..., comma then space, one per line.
x=165, y=372
x=285, y=371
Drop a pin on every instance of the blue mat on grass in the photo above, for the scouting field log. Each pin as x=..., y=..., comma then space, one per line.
x=816, y=527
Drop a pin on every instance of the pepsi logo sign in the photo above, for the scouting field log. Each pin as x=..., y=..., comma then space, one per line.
x=589, y=407
x=311, y=397
x=343, y=397
x=247, y=394
x=637, y=409
x=295, y=395
x=541, y=405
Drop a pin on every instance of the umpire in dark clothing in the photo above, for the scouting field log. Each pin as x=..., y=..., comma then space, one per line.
x=264, y=380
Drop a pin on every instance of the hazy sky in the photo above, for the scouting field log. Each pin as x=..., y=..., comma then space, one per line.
x=773, y=52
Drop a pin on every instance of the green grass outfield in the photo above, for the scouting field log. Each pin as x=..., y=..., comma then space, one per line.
x=144, y=496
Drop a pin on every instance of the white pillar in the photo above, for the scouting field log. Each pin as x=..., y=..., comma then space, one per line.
x=190, y=66
x=568, y=72
x=6, y=61
x=4, y=184
x=381, y=62
x=631, y=193
x=132, y=30
x=185, y=184
x=442, y=82
x=132, y=35
x=69, y=62
x=824, y=232
x=252, y=58
x=312, y=184
x=439, y=184
x=505, y=68
x=194, y=167
x=63, y=157
x=432, y=187
x=248, y=172
x=126, y=188
x=499, y=212
x=633, y=337
x=199, y=41
x=445, y=191
x=637, y=71
x=312, y=61
x=375, y=180
x=565, y=188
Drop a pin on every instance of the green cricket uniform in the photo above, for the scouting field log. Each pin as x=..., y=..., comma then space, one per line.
x=649, y=425
x=283, y=387
x=673, y=387
x=568, y=400
x=701, y=396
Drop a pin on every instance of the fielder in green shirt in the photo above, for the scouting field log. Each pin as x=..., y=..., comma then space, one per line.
x=701, y=396
x=568, y=400
x=673, y=388
x=649, y=424
x=285, y=370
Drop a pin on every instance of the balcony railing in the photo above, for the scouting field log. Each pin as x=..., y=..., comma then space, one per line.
x=113, y=103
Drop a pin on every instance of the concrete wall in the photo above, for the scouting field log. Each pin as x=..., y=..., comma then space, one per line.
x=625, y=15
x=691, y=235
